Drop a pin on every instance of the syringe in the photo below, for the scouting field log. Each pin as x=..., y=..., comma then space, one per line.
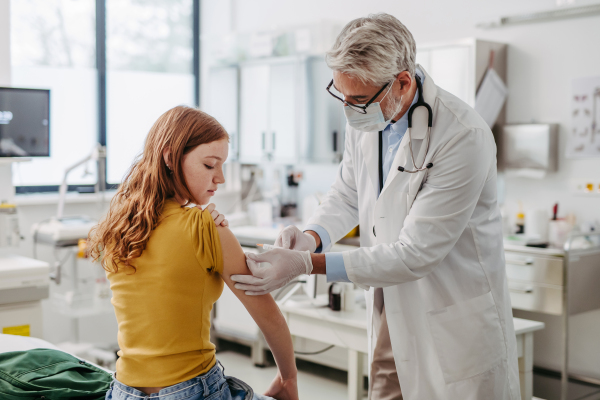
x=267, y=247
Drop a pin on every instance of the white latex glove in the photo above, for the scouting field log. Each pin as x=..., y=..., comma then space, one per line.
x=293, y=238
x=284, y=266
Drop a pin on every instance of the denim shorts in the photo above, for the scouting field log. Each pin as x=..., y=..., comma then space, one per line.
x=213, y=385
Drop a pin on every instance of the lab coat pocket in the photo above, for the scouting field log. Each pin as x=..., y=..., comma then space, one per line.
x=467, y=337
x=390, y=211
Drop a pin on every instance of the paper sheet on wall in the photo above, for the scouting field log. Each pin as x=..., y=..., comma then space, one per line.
x=490, y=97
x=584, y=134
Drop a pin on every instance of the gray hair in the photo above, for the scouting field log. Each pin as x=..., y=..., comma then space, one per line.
x=375, y=49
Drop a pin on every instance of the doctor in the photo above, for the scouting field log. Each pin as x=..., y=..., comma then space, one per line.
x=419, y=176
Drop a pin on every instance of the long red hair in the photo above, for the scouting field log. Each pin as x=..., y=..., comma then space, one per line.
x=136, y=208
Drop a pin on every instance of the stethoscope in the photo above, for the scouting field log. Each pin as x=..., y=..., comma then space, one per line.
x=420, y=103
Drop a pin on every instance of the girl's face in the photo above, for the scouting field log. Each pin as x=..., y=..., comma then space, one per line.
x=203, y=169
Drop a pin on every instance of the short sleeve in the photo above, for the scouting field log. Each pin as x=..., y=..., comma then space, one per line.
x=206, y=241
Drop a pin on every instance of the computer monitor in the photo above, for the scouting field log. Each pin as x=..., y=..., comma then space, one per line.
x=24, y=122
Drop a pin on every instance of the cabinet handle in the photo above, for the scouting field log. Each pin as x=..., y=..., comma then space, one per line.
x=520, y=262
x=519, y=290
x=335, y=144
x=274, y=141
x=264, y=141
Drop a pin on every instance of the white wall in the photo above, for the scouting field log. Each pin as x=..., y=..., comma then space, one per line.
x=5, y=170
x=4, y=42
x=543, y=58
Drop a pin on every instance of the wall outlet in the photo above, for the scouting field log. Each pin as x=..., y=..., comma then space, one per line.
x=585, y=187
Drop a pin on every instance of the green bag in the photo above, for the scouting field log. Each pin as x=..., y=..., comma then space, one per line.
x=45, y=374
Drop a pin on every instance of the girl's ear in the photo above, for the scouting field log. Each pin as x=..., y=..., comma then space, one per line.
x=167, y=157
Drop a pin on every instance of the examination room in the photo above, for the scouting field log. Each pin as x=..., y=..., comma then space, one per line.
x=316, y=200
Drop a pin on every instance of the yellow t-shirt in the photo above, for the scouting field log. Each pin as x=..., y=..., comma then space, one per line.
x=163, y=309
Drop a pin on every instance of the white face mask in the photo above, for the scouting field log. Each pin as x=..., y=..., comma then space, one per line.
x=373, y=120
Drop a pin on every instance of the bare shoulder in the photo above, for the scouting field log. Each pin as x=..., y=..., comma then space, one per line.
x=234, y=260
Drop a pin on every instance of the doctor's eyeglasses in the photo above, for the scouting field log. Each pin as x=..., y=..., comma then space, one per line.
x=358, y=109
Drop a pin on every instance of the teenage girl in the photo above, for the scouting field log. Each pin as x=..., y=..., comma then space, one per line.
x=166, y=262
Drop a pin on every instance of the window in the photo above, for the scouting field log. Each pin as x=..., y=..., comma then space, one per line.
x=53, y=47
x=151, y=52
x=149, y=64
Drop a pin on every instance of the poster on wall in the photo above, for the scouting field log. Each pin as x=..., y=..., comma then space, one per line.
x=584, y=135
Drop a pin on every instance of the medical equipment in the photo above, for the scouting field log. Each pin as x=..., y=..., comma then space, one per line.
x=420, y=103
x=24, y=282
x=66, y=231
x=98, y=154
x=24, y=122
x=9, y=226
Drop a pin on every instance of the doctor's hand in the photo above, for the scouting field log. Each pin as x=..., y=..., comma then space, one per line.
x=293, y=238
x=283, y=266
x=219, y=218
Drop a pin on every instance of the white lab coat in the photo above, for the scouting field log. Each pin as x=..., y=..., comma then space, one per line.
x=437, y=253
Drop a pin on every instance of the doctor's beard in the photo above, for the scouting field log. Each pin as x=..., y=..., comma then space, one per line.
x=392, y=108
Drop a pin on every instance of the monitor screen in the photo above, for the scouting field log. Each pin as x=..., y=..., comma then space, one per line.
x=24, y=122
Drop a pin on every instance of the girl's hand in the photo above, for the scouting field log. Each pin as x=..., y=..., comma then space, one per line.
x=219, y=218
x=282, y=389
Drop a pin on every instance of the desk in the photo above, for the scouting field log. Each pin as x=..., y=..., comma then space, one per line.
x=524, y=329
x=348, y=329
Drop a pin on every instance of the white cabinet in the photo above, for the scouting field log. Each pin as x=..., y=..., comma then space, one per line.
x=254, y=112
x=223, y=84
x=450, y=67
x=271, y=106
x=277, y=109
x=458, y=67
x=325, y=116
x=282, y=111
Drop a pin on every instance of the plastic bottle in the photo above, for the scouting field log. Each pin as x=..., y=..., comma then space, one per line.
x=520, y=223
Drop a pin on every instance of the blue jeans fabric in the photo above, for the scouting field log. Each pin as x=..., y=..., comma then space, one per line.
x=214, y=385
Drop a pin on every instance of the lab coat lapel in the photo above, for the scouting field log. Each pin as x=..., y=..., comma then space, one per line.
x=418, y=133
x=401, y=158
x=370, y=149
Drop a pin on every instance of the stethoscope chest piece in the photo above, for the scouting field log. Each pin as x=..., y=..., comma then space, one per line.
x=401, y=169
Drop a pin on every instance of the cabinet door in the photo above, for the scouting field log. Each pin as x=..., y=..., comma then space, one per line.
x=326, y=119
x=254, y=113
x=451, y=68
x=283, y=103
x=423, y=58
x=223, y=102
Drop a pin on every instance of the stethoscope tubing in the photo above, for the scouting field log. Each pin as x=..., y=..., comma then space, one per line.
x=420, y=103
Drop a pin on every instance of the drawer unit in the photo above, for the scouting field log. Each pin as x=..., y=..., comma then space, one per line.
x=535, y=282
x=528, y=268
x=561, y=282
x=536, y=297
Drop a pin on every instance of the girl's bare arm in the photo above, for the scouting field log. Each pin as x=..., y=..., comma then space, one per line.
x=262, y=308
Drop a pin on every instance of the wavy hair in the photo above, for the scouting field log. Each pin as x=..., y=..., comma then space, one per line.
x=136, y=208
x=375, y=49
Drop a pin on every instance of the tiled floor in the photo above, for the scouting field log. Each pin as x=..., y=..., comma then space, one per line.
x=548, y=388
x=310, y=385
x=316, y=382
